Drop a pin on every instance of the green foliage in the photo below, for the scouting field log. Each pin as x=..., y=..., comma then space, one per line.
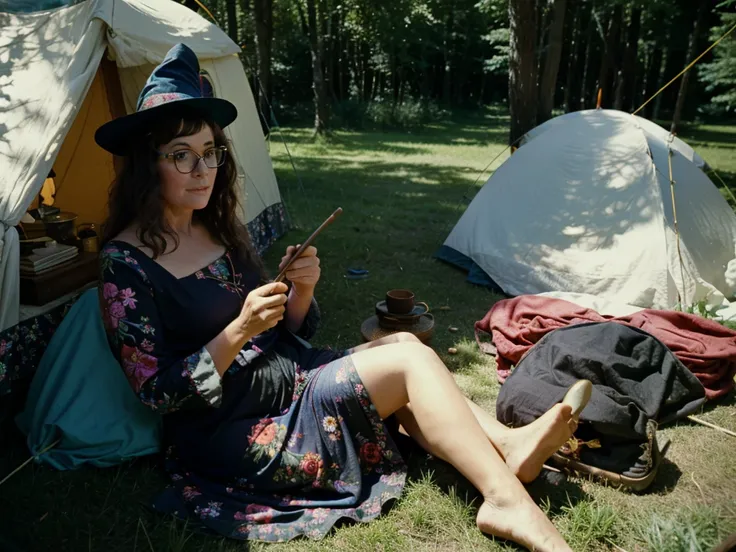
x=693, y=530
x=709, y=312
x=588, y=525
x=455, y=53
x=499, y=62
x=701, y=308
x=720, y=74
x=352, y=114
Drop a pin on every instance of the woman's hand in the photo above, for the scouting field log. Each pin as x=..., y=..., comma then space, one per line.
x=304, y=273
x=263, y=308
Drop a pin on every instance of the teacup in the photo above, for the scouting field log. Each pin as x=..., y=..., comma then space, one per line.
x=400, y=301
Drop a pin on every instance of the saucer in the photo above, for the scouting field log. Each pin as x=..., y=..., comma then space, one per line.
x=371, y=328
x=418, y=310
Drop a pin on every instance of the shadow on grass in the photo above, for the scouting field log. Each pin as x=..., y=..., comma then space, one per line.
x=558, y=490
x=704, y=135
x=443, y=134
x=668, y=476
x=465, y=131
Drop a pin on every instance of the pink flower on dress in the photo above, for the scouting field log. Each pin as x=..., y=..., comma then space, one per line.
x=147, y=346
x=259, y=514
x=127, y=296
x=112, y=313
x=117, y=310
x=320, y=515
x=371, y=453
x=268, y=434
x=311, y=464
x=190, y=492
x=138, y=366
x=110, y=291
x=257, y=429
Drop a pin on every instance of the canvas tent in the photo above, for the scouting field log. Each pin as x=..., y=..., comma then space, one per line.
x=64, y=72
x=585, y=205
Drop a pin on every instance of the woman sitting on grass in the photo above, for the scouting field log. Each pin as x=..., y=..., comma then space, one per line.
x=265, y=438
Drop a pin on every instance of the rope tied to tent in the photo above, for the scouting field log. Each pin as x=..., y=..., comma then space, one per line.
x=29, y=460
x=670, y=153
x=207, y=12
x=686, y=69
x=726, y=186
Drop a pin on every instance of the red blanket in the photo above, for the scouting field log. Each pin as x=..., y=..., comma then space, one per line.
x=707, y=348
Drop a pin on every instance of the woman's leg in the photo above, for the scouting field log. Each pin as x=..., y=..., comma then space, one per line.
x=397, y=374
x=399, y=337
x=523, y=449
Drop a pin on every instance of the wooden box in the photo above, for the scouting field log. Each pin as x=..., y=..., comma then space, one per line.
x=43, y=288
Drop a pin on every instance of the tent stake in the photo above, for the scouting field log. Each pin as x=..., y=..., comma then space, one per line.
x=713, y=426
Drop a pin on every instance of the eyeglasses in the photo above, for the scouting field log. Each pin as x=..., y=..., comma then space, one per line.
x=186, y=160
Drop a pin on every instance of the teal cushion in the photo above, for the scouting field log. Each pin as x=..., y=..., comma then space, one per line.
x=80, y=395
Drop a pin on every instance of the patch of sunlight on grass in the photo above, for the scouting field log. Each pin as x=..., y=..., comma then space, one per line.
x=467, y=355
x=444, y=520
x=587, y=525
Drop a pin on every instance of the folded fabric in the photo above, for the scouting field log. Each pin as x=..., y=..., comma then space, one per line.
x=80, y=396
x=705, y=347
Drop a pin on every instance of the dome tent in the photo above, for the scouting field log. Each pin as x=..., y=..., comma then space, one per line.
x=586, y=205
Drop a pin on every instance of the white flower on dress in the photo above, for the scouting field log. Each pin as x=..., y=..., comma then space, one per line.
x=330, y=424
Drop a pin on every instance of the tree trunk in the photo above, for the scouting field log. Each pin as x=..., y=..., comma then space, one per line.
x=522, y=68
x=344, y=60
x=586, y=59
x=482, y=93
x=552, y=62
x=543, y=13
x=446, y=53
x=232, y=20
x=625, y=89
x=608, y=63
x=654, y=64
x=263, y=16
x=660, y=77
x=316, y=49
x=572, y=60
x=329, y=24
x=691, y=50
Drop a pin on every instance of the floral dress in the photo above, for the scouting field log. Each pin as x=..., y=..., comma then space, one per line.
x=285, y=443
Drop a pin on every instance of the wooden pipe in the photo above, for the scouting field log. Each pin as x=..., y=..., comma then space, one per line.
x=307, y=243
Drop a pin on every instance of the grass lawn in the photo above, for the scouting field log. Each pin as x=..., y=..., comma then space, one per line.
x=401, y=193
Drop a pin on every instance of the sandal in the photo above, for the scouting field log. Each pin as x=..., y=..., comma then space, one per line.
x=578, y=396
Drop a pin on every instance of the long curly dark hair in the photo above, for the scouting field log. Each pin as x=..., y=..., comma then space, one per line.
x=135, y=195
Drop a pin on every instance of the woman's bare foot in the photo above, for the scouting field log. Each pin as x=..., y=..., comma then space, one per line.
x=522, y=522
x=525, y=449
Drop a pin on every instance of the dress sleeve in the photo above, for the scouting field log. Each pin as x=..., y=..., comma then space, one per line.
x=311, y=321
x=133, y=325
